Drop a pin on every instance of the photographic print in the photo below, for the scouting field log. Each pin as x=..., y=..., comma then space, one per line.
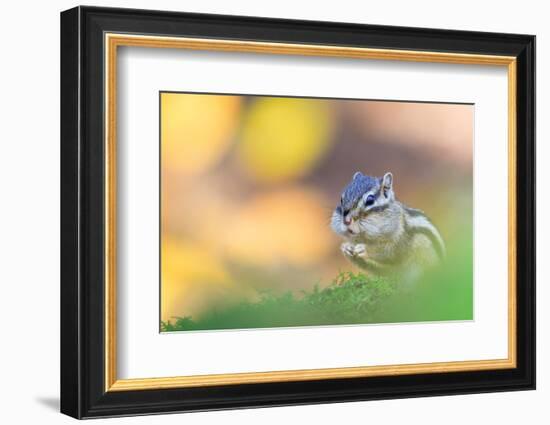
x=287, y=211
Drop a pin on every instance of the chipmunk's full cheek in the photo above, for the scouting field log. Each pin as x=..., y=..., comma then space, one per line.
x=353, y=227
x=337, y=224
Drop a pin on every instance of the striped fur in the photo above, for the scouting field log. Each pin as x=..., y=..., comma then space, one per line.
x=382, y=234
x=418, y=222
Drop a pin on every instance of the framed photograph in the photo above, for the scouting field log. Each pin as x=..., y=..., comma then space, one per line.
x=261, y=212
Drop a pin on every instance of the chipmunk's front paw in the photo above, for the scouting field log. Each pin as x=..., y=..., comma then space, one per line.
x=348, y=249
x=354, y=250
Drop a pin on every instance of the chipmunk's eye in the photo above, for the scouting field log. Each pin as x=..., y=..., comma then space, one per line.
x=370, y=200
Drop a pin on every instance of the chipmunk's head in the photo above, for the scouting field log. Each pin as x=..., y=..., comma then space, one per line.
x=364, y=196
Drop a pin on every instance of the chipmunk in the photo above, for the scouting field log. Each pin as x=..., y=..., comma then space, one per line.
x=382, y=234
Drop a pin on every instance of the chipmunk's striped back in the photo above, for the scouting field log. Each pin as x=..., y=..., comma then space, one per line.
x=417, y=222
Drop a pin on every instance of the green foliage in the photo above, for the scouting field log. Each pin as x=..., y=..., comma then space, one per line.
x=351, y=298
x=445, y=293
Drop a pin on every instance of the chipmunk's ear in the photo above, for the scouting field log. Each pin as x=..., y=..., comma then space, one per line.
x=357, y=174
x=387, y=182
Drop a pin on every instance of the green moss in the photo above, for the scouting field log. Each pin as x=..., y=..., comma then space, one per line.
x=445, y=293
x=351, y=298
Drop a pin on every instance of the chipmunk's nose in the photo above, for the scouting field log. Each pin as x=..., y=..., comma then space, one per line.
x=347, y=220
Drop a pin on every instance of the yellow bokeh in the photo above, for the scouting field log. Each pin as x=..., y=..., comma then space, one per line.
x=196, y=130
x=284, y=138
x=288, y=226
x=191, y=275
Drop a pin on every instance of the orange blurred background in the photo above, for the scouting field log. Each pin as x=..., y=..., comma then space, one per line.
x=248, y=185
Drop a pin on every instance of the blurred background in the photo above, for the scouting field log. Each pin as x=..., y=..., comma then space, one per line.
x=248, y=185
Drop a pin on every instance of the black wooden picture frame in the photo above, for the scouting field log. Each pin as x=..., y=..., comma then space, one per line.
x=83, y=365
